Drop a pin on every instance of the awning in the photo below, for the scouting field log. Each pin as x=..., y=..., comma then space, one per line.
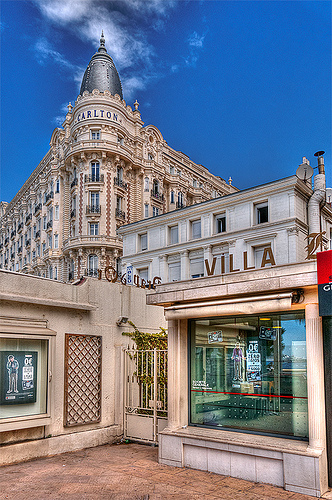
x=243, y=305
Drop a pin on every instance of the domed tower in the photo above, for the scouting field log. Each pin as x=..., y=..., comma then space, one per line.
x=101, y=73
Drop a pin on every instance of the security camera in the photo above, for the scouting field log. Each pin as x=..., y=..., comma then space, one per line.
x=122, y=320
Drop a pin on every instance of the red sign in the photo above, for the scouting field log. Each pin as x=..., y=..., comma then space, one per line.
x=324, y=275
x=324, y=267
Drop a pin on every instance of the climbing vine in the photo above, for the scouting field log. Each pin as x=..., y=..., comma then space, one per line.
x=147, y=341
x=144, y=366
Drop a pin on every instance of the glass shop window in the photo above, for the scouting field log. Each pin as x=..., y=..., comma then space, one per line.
x=23, y=377
x=249, y=373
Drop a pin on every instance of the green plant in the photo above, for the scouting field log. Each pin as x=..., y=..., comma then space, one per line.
x=144, y=360
x=147, y=341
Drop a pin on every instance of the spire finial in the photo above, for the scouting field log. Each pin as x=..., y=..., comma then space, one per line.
x=102, y=43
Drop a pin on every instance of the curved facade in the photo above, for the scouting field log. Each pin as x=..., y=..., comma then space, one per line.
x=104, y=169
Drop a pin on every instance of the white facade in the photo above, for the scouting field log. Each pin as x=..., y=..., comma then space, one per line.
x=254, y=228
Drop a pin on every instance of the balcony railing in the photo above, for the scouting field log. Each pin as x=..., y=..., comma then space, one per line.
x=49, y=225
x=28, y=218
x=158, y=196
x=73, y=213
x=12, y=234
x=93, y=209
x=74, y=183
x=94, y=178
x=120, y=214
x=91, y=272
x=37, y=234
x=120, y=183
x=38, y=208
x=49, y=196
x=180, y=204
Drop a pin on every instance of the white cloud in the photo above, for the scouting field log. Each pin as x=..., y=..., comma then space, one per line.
x=196, y=40
x=126, y=25
x=44, y=52
x=196, y=43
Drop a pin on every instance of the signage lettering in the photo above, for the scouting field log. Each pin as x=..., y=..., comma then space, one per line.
x=267, y=258
x=324, y=278
x=113, y=276
x=96, y=113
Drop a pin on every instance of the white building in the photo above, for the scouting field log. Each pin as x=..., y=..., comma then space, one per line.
x=258, y=227
x=104, y=168
x=249, y=356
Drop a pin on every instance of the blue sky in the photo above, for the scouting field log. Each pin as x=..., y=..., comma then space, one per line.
x=242, y=87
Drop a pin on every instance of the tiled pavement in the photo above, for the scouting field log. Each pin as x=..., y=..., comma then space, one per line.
x=124, y=472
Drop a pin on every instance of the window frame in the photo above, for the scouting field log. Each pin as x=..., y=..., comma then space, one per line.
x=258, y=214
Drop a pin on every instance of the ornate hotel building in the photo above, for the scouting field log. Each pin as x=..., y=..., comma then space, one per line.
x=104, y=169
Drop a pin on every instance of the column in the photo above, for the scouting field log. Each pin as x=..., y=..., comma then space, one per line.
x=177, y=374
x=185, y=265
x=315, y=374
x=163, y=268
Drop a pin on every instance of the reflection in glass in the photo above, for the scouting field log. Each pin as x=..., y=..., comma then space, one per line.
x=250, y=373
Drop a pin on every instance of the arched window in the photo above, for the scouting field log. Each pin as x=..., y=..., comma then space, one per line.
x=95, y=171
x=155, y=187
x=119, y=173
x=180, y=200
x=146, y=184
x=92, y=265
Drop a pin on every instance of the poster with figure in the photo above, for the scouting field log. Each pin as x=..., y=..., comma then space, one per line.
x=18, y=377
x=254, y=365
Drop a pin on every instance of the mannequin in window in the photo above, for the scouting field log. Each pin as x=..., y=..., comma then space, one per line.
x=237, y=357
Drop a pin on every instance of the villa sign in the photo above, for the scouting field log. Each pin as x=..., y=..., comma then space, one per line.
x=267, y=258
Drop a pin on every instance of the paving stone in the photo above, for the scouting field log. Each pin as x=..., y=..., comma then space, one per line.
x=124, y=472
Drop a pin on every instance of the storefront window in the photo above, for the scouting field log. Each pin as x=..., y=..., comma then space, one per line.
x=23, y=377
x=250, y=373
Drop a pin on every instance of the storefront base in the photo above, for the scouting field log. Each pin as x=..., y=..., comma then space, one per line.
x=27, y=450
x=290, y=464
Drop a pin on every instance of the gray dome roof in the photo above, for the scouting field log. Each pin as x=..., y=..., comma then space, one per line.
x=101, y=73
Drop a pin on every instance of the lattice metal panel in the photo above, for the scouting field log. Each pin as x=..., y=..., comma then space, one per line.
x=82, y=379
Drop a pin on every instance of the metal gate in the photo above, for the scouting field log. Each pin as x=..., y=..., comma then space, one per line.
x=145, y=399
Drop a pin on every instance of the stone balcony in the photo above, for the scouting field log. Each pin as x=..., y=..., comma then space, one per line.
x=86, y=241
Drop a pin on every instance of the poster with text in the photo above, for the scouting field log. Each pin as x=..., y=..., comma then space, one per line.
x=18, y=377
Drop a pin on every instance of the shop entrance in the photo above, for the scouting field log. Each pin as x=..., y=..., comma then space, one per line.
x=327, y=332
x=145, y=399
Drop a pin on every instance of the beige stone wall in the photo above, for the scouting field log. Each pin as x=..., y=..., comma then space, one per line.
x=29, y=303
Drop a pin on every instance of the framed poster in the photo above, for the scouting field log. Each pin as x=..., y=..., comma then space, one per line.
x=18, y=377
